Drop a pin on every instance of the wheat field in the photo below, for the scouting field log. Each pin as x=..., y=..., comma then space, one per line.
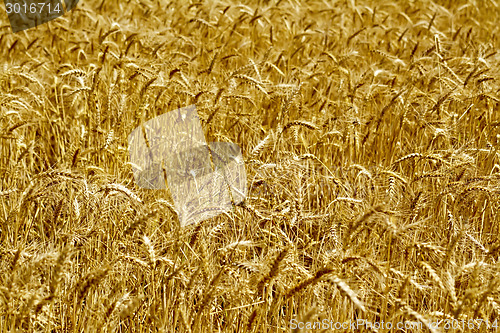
x=369, y=131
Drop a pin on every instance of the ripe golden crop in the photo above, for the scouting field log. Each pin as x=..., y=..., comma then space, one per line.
x=369, y=132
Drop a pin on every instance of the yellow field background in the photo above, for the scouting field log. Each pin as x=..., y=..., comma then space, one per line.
x=369, y=131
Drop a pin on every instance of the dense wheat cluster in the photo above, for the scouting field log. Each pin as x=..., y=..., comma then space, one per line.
x=369, y=131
